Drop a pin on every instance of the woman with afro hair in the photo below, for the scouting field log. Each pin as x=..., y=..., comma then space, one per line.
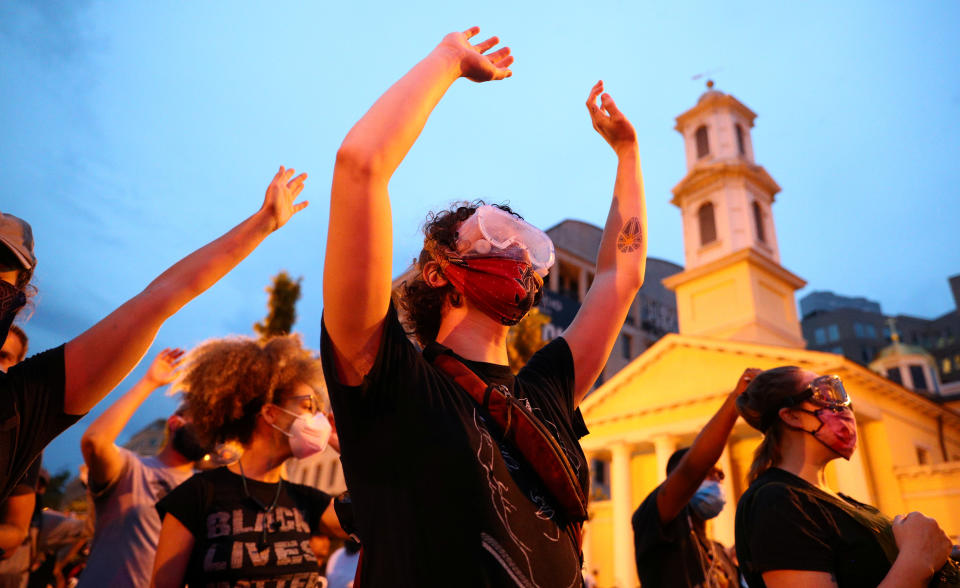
x=243, y=524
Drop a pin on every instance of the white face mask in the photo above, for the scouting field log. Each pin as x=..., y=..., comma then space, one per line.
x=308, y=434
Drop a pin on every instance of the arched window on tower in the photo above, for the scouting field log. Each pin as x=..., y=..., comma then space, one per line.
x=740, y=146
x=708, y=226
x=703, y=145
x=758, y=221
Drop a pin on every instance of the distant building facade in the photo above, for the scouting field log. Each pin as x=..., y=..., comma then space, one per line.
x=148, y=440
x=857, y=329
x=824, y=301
x=652, y=315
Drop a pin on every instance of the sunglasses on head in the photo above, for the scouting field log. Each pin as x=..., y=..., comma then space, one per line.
x=824, y=391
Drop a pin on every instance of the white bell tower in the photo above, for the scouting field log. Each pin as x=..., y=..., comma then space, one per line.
x=733, y=286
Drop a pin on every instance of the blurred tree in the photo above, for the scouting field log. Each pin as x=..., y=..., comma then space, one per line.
x=54, y=494
x=526, y=338
x=281, y=307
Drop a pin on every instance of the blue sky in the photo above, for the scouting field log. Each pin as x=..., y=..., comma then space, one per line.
x=133, y=133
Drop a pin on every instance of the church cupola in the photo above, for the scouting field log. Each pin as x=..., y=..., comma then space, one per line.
x=733, y=285
x=725, y=195
x=908, y=365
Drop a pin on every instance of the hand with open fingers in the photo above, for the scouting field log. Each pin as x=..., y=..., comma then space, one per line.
x=475, y=63
x=281, y=193
x=922, y=540
x=746, y=377
x=164, y=367
x=607, y=119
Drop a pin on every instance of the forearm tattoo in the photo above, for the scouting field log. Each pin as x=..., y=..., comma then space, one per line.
x=631, y=236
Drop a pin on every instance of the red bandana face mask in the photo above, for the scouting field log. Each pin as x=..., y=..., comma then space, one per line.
x=503, y=289
x=837, y=430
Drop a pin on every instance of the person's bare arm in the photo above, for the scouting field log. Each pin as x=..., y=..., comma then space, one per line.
x=173, y=554
x=683, y=481
x=15, y=514
x=331, y=524
x=98, y=442
x=799, y=579
x=622, y=259
x=357, y=268
x=96, y=360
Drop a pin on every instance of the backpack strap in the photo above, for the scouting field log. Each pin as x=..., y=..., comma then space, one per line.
x=535, y=443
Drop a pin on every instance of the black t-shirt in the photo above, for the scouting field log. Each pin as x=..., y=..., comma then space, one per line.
x=676, y=553
x=31, y=413
x=786, y=523
x=30, y=478
x=438, y=500
x=227, y=526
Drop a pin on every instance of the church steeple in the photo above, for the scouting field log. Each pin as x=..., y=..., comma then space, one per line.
x=733, y=285
x=725, y=196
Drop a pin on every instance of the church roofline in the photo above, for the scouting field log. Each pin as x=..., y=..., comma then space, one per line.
x=818, y=361
x=573, y=221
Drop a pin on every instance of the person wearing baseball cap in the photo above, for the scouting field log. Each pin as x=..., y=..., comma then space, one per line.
x=792, y=529
x=44, y=394
x=16, y=268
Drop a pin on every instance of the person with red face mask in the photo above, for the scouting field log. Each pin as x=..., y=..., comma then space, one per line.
x=791, y=528
x=460, y=472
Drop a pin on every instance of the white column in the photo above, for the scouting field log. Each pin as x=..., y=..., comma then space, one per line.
x=582, y=285
x=620, y=494
x=554, y=277
x=587, y=547
x=724, y=523
x=587, y=531
x=663, y=446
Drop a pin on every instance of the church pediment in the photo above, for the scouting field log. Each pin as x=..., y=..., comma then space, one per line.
x=681, y=374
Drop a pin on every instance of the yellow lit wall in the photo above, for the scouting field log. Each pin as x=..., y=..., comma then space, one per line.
x=670, y=392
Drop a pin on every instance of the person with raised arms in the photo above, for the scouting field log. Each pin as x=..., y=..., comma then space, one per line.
x=460, y=473
x=44, y=394
x=125, y=487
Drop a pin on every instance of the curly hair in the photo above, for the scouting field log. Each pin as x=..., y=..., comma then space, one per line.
x=421, y=303
x=225, y=382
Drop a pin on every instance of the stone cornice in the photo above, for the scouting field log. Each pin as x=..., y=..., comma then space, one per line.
x=750, y=255
x=948, y=467
x=703, y=175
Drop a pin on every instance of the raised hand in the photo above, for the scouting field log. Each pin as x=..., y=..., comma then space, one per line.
x=745, y=378
x=475, y=63
x=281, y=193
x=164, y=367
x=607, y=119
